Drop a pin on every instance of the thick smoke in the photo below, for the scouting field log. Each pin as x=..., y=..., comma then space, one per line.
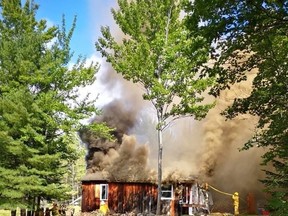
x=123, y=158
x=223, y=136
x=207, y=150
x=222, y=164
x=130, y=162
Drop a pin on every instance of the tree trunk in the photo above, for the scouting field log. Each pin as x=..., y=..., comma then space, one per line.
x=160, y=149
x=73, y=182
x=38, y=201
x=13, y=212
x=23, y=212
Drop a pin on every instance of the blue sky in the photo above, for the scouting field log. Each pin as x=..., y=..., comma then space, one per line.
x=91, y=14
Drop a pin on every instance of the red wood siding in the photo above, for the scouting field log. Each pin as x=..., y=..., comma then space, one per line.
x=128, y=197
x=134, y=197
x=89, y=201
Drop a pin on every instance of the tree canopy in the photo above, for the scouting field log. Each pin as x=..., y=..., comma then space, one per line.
x=40, y=107
x=159, y=52
x=246, y=35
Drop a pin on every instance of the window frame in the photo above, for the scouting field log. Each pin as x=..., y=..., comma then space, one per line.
x=170, y=190
x=101, y=191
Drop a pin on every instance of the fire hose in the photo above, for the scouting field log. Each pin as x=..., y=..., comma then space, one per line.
x=234, y=196
x=228, y=194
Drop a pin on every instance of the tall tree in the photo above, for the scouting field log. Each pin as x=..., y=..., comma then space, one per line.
x=156, y=52
x=40, y=108
x=248, y=35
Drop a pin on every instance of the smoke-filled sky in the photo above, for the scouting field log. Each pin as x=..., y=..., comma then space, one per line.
x=207, y=150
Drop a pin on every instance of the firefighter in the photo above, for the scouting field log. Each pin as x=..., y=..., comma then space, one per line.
x=235, y=198
x=104, y=207
x=55, y=210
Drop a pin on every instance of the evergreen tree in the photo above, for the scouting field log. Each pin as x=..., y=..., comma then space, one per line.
x=250, y=35
x=156, y=52
x=40, y=108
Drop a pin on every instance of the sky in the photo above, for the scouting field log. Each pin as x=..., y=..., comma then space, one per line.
x=91, y=14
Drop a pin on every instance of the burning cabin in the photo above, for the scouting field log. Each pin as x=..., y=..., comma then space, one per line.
x=178, y=197
x=118, y=174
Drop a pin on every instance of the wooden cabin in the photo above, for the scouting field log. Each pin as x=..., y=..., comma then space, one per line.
x=178, y=198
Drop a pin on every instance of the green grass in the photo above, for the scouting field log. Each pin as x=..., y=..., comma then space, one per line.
x=5, y=212
x=8, y=212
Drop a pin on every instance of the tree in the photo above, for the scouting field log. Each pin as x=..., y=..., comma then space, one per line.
x=76, y=169
x=40, y=108
x=156, y=53
x=248, y=35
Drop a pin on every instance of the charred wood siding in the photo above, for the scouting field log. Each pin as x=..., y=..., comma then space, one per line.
x=88, y=197
x=124, y=197
x=128, y=197
x=89, y=201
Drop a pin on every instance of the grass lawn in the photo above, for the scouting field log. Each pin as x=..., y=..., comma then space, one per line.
x=8, y=212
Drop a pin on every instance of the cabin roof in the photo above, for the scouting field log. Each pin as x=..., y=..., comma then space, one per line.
x=101, y=177
x=97, y=176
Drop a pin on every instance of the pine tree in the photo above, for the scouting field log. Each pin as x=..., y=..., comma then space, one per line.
x=40, y=108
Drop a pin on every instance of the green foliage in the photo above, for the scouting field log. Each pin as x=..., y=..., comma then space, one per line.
x=278, y=203
x=40, y=108
x=9, y=187
x=247, y=35
x=101, y=132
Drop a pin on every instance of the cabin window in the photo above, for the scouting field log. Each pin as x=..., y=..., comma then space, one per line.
x=167, y=192
x=103, y=191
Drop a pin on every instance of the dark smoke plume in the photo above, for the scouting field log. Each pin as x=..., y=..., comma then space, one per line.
x=124, y=158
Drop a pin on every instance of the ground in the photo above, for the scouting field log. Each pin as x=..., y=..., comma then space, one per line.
x=131, y=214
x=77, y=213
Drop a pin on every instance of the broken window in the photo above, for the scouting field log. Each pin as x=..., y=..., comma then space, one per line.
x=103, y=191
x=167, y=192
